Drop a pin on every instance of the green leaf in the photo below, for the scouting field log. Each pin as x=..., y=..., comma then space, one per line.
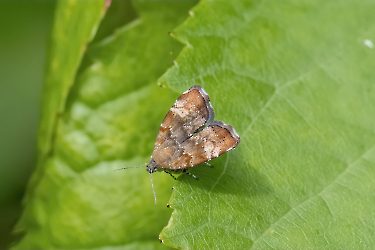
x=107, y=120
x=296, y=80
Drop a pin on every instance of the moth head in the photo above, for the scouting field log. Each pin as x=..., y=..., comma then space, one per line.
x=152, y=167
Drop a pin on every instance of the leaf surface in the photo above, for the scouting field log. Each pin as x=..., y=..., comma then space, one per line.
x=296, y=80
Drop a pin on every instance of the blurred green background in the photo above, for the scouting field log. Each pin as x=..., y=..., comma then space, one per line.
x=24, y=37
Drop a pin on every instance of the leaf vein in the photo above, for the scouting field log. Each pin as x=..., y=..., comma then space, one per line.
x=309, y=198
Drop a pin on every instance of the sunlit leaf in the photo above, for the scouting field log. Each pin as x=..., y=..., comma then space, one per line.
x=296, y=80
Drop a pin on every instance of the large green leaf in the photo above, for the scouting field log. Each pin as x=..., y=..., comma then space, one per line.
x=107, y=120
x=297, y=81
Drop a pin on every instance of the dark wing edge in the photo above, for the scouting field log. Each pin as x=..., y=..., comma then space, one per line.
x=231, y=130
x=206, y=98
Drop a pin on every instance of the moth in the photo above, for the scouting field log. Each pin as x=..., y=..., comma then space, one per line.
x=189, y=136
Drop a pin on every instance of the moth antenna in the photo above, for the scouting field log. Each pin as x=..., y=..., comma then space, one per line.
x=153, y=190
x=131, y=167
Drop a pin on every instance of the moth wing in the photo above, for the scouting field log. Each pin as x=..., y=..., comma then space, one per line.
x=211, y=142
x=191, y=111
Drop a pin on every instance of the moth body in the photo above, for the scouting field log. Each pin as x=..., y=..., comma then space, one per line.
x=189, y=136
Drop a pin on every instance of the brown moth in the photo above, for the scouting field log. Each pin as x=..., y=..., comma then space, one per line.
x=189, y=136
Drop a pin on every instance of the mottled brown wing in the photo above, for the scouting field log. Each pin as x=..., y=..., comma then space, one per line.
x=191, y=111
x=211, y=142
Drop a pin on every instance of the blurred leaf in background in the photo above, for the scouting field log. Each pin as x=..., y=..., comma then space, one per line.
x=296, y=80
x=98, y=116
x=24, y=35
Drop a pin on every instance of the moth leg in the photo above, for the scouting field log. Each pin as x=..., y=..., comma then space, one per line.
x=208, y=164
x=170, y=174
x=188, y=173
